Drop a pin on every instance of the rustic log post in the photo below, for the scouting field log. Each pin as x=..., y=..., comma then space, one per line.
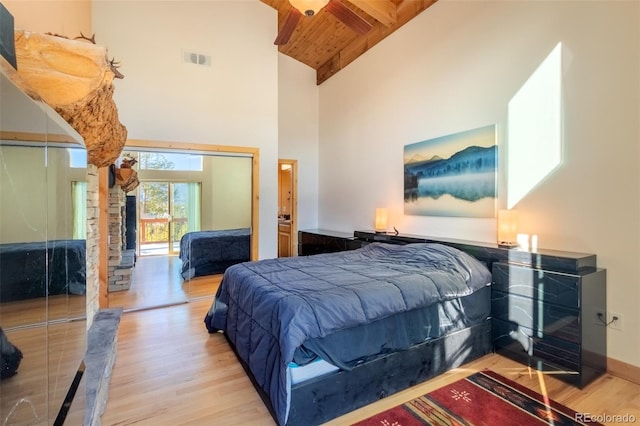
x=75, y=78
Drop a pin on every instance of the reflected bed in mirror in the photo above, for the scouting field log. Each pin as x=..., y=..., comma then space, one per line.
x=42, y=233
x=42, y=277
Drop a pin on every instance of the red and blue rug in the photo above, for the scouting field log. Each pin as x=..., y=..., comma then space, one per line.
x=484, y=398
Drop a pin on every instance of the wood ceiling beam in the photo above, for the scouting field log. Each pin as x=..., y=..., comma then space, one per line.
x=383, y=11
x=405, y=12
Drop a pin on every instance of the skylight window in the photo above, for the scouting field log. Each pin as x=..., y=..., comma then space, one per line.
x=77, y=158
x=166, y=161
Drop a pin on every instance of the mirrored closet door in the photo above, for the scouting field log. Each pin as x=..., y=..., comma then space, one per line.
x=180, y=193
x=42, y=262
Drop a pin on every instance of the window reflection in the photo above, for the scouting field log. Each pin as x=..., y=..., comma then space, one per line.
x=535, y=128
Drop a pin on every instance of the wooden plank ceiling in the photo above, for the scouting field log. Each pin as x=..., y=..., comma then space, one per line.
x=325, y=43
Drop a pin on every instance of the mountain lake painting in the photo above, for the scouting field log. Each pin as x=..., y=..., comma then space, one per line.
x=454, y=175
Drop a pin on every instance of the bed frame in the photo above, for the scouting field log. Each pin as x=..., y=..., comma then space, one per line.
x=323, y=398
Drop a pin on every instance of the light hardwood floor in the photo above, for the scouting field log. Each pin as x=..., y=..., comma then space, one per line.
x=52, y=355
x=31, y=312
x=156, y=281
x=170, y=371
x=53, y=350
x=51, y=333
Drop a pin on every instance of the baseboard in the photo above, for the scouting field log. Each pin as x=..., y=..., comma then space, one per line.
x=623, y=370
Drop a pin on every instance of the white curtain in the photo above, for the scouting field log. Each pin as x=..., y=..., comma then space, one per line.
x=79, y=209
x=194, y=209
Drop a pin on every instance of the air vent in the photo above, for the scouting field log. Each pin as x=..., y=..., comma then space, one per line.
x=196, y=58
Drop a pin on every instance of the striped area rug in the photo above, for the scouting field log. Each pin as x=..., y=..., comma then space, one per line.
x=484, y=398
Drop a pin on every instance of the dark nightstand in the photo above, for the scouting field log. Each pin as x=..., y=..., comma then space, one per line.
x=316, y=241
x=546, y=319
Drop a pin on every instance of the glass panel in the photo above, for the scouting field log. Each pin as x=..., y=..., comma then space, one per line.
x=226, y=199
x=66, y=233
x=42, y=261
x=66, y=195
x=23, y=236
x=23, y=278
x=179, y=193
x=170, y=161
x=185, y=207
x=42, y=280
x=154, y=218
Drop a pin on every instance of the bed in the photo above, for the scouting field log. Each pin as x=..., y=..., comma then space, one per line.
x=211, y=252
x=323, y=335
x=37, y=269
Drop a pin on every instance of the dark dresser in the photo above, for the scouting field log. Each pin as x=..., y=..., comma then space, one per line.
x=316, y=241
x=547, y=319
x=544, y=303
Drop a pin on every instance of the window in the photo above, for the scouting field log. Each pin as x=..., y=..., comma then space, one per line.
x=166, y=161
x=77, y=158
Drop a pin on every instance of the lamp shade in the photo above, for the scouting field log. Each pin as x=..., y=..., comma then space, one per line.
x=507, y=227
x=309, y=7
x=381, y=220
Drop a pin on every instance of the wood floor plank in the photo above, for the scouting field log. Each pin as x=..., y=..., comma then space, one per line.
x=53, y=351
x=52, y=355
x=169, y=370
x=156, y=281
x=159, y=380
x=29, y=312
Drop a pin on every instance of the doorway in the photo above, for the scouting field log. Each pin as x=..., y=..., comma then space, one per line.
x=287, y=208
x=168, y=210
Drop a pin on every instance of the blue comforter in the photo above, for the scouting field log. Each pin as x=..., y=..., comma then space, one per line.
x=211, y=252
x=270, y=307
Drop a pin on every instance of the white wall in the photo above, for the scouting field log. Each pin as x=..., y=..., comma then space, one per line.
x=35, y=193
x=298, y=125
x=225, y=189
x=229, y=189
x=234, y=102
x=23, y=200
x=65, y=17
x=454, y=68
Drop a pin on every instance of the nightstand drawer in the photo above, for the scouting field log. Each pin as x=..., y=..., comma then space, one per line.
x=554, y=320
x=523, y=343
x=546, y=286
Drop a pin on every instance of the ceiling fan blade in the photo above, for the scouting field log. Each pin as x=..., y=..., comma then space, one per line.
x=290, y=24
x=351, y=19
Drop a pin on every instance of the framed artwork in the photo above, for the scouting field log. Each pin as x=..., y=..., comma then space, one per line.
x=454, y=175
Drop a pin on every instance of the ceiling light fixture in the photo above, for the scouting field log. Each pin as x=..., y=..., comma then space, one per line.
x=309, y=7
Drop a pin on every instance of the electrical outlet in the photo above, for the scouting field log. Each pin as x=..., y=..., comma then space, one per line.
x=599, y=317
x=614, y=320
